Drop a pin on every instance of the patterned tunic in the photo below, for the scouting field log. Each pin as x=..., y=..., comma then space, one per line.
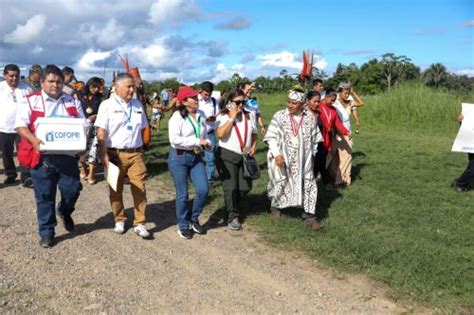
x=294, y=184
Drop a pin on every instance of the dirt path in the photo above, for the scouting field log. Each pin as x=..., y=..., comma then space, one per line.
x=93, y=270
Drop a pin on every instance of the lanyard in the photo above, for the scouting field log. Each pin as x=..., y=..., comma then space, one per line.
x=296, y=128
x=129, y=116
x=44, y=105
x=328, y=117
x=242, y=142
x=197, y=131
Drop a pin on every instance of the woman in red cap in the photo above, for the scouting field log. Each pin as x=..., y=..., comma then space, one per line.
x=188, y=138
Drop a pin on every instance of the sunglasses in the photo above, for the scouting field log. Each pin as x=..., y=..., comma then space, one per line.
x=239, y=102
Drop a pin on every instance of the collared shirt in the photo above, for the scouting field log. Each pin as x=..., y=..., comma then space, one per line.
x=231, y=142
x=207, y=109
x=182, y=134
x=52, y=108
x=11, y=100
x=123, y=122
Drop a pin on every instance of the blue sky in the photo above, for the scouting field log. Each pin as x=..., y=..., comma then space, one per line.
x=210, y=40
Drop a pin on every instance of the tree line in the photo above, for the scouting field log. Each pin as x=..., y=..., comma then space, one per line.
x=375, y=76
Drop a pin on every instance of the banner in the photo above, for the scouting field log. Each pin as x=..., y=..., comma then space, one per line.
x=464, y=141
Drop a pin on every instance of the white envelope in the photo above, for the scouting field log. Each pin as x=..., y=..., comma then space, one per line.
x=112, y=175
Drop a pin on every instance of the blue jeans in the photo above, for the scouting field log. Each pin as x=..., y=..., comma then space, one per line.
x=55, y=170
x=183, y=167
x=210, y=158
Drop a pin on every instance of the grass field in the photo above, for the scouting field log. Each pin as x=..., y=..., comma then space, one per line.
x=400, y=223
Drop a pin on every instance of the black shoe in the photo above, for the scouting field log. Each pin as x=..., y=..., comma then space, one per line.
x=68, y=222
x=198, y=228
x=46, y=241
x=28, y=182
x=9, y=181
x=185, y=233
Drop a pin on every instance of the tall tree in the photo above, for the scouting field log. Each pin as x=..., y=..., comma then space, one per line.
x=436, y=75
x=393, y=67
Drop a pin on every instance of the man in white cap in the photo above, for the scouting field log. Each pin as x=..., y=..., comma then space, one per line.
x=292, y=140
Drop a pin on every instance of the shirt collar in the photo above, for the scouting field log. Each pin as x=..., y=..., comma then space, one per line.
x=121, y=101
x=46, y=97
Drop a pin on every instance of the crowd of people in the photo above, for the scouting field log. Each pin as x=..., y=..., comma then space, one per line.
x=311, y=138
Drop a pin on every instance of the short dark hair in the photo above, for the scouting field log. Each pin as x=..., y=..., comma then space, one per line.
x=11, y=67
x=331, y=92
x=93, y=82
x=52, y=69
x=316, y=81
x=234, y=93
x=312, y=94
x=68, y=70
x=242, y=84
x=207, y=86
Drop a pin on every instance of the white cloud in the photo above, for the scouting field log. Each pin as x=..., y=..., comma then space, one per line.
x=174, y=11
x=286, y=59
x=283, y=59
x=468, y=72
x=26, y=33
x=87, y=62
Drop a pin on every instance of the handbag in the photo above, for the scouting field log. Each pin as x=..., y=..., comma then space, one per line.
x=251, y=169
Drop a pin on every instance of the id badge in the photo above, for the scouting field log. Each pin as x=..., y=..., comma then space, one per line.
x=129, y=128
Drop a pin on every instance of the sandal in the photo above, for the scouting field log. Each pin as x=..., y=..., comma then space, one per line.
x=91, y=181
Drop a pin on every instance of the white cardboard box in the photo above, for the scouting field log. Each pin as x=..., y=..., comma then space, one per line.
x=61, y=134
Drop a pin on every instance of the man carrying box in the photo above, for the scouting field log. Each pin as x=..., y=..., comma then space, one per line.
x=121, y=121
x=49, y=169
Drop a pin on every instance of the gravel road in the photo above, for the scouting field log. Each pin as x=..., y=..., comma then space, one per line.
x=92, y=270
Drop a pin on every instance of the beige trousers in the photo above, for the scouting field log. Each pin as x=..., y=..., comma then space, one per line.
x=341, y=163
x=132, y=165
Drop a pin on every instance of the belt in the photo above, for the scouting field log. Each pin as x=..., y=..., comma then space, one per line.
x=181, y=152
x=134, y=150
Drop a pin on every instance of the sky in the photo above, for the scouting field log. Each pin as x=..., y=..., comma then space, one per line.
x=197, y=40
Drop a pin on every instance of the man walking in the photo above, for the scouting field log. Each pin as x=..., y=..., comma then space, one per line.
x=12, y=98
x=121, y=121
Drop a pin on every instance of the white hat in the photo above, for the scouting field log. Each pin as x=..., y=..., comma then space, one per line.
x=296, y=96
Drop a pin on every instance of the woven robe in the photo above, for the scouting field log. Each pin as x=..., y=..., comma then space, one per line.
x=293, y=185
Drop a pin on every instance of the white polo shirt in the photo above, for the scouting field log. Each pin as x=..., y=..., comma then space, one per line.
x=182, y=134
x=207, y=109
x=11, y=100
x=122, y=121
x=231, y=142
x=52, y=108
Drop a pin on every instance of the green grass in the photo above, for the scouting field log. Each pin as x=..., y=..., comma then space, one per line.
x=400, y=222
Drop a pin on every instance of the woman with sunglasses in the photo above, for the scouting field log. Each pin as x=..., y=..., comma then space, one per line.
x=188, y=138
x=236, y=131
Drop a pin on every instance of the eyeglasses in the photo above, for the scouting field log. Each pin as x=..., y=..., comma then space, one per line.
x=14, y=96
x=239, y=102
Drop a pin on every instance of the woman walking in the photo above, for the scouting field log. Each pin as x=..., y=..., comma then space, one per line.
x=236, y=130
x=188, y=138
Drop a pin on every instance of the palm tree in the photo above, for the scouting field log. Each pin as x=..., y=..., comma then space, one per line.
x=436, y=75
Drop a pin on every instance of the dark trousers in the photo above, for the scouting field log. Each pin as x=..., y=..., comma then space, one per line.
x=320, y=164
x=468, y=175
x=230, y=168
x=7, y=146
x=55, y=171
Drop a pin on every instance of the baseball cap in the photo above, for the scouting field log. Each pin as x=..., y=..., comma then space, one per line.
x=185, y=92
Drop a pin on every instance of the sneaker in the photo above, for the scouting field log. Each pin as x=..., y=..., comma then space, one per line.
x=68, y=222
x=235, y=224
x=141, y=231
x=28, y=182
x=9, y=181
x=185, y=233
x=313, y=224
x=46, y=241
x=198, y=228
x=119, y=227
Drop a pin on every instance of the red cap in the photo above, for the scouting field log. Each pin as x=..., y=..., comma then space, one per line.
x=186, y=91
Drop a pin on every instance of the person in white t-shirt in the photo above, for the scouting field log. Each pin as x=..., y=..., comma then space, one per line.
x=236, y=130
x=12, y=98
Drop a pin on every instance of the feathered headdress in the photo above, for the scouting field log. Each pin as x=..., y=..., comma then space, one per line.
x=306, y=72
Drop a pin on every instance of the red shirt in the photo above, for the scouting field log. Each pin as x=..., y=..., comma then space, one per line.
x=330, y=120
